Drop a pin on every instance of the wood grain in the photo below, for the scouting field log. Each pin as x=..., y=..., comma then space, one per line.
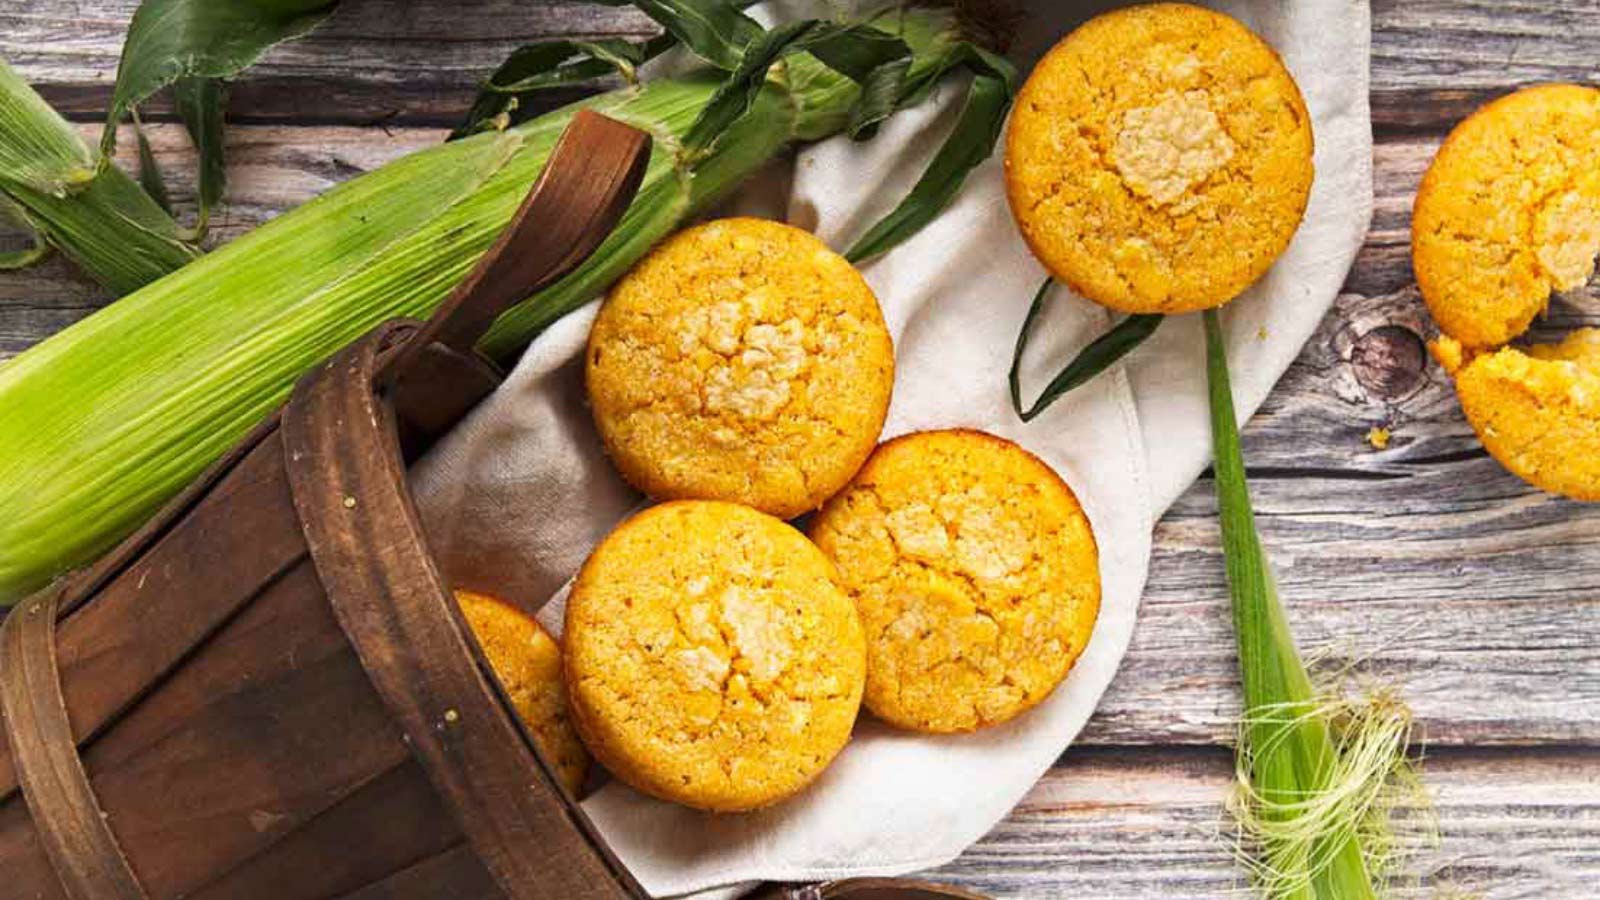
x=418, y=63
x=373, y=61
x=1433, y=61
x=1131, y=824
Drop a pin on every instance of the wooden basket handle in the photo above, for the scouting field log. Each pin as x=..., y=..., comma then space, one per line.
x=588, y=182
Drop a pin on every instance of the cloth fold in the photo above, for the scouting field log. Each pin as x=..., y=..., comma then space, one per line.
x=519, y=493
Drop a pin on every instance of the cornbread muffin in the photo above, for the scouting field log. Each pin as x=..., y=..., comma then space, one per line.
x=1537, y=412
x=1509, y=211
x=975, y=572
x=744, y=361
x=1159, y=159
x=527, y=662
x=712, y=658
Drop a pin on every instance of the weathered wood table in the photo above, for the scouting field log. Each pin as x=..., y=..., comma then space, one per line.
x=1425, y=560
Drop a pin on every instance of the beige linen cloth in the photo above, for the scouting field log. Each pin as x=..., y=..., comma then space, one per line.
x=516, y=497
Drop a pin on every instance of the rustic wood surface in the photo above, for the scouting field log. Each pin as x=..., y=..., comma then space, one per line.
x=1425, y=562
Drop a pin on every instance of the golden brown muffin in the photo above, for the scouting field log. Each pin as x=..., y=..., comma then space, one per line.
x=527, y=662
x=744, y=361
x=1537, y=412
x=1509, y=211
x=976, y=574
x=713, y=660
x=1159, y=159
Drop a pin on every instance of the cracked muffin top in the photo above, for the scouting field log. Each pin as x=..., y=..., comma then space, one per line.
x=1509, y=212
x=742, y=360
x=975, y=572
x=1159, y=159
x=712, y=658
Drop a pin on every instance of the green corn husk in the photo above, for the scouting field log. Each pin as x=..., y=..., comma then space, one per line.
x=194, y=45
x=1318, y=773
x=1099, y=355
x=54, y=185
x=106, y=420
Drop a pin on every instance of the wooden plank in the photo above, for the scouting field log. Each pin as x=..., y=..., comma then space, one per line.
x=374, y=60
x=1432, y=60
x=1123, y=824
x=1438, y=599
x=1482, y=44
x=1415, y=558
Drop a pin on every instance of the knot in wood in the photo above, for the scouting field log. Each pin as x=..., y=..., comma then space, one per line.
x=1389, y=362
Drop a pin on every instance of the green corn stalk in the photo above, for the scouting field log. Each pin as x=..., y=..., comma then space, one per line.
x=109, y=418
x=1317, y=774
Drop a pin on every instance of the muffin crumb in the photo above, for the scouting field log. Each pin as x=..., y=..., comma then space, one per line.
x=1536, y=410
x=1166, y=149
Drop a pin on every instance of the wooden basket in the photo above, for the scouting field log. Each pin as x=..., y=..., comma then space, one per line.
x=268, y=692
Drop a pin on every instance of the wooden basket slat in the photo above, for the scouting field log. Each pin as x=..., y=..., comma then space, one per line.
x=266, y=726
x=456, y=873
x=22, y=858
x=173, y=596
x=66, y=813
x=349, y=486
x=400, y=822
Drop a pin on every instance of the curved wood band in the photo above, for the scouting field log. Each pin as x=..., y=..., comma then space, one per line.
x=68, y=819
x=361, y=527
x=349, y=487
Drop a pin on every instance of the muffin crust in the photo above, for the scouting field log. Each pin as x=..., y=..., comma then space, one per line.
x=1509, y=212
x=976, y=574
x=1159, y=159
x=713, y=659
x=527, y=662
x=742, y=361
